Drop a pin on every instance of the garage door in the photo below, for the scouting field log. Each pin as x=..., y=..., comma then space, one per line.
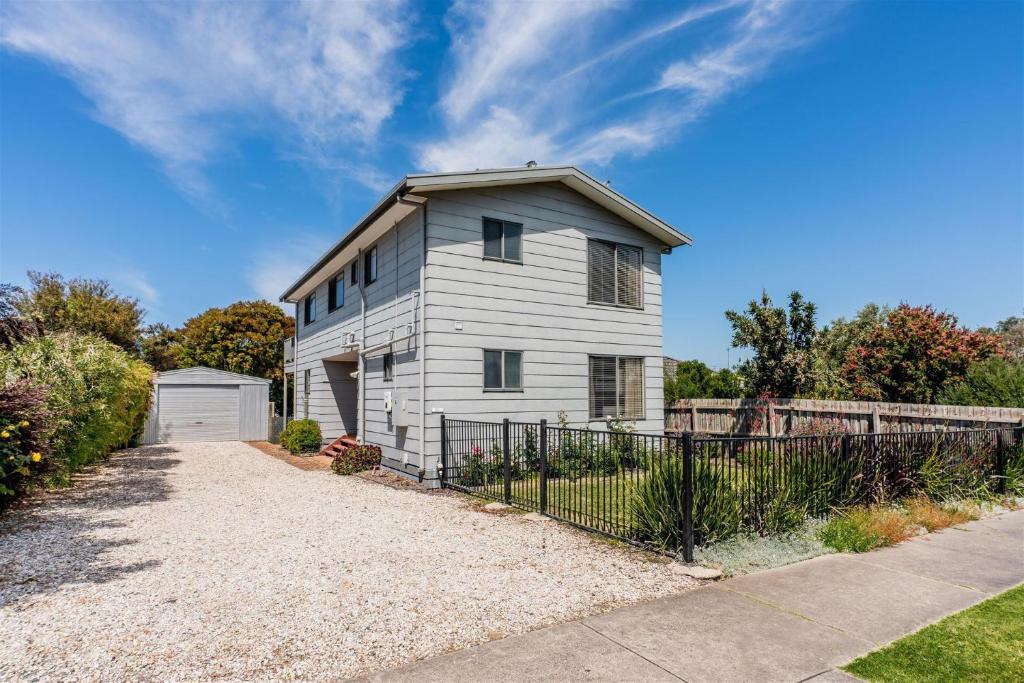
x=198, y=412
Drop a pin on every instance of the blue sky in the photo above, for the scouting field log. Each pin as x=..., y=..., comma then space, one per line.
x=195, y=155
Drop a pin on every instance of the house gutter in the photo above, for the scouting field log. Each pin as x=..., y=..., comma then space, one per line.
x=365, y=222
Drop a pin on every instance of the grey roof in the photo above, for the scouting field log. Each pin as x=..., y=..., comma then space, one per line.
x=571, y=176
x=183, y=375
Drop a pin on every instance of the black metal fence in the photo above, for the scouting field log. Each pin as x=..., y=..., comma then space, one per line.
x=672, y=492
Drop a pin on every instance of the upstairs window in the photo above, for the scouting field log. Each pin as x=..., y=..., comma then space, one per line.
x=616, y=387
x=370, y=266
x=389, y=366
x=336, y=292
x=354, y=268
x=309, y=306
x=614, y=274
x=503, y=370
x=503, y=241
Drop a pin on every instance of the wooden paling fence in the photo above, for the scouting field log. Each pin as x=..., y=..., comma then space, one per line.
x=780, y=416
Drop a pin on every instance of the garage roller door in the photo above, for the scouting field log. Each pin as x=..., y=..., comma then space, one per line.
x=198, y=413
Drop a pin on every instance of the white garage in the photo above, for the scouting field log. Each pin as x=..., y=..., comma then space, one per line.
x=203, y=404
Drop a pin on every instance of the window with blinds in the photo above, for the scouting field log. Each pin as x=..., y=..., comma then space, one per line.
x=614, y=274
x=616, y=387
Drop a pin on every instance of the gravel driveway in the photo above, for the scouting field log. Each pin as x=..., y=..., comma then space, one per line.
x=201, y=561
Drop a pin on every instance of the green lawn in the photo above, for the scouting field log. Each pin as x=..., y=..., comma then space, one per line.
x=984, y=643
x=602, y=502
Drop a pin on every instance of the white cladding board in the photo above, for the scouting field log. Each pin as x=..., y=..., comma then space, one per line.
x=198, y=412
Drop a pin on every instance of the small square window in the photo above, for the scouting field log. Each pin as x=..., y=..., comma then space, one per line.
x=503, y=370
x=503, y=241
x=389, y=366
x=370, y=266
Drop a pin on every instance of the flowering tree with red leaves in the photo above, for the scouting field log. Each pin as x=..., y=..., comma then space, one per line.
x=914, y=355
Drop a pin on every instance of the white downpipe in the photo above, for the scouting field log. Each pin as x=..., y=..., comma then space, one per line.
x=361, y=436
x=421, y=342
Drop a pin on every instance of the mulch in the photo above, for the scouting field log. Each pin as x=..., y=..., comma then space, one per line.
x=310, y=463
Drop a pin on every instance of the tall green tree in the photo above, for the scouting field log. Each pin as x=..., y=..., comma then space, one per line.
x=81, y=306
x=159, y=345
x=694, y=379
x=781, y=339
x=833, y=344
x=916, y=354
x=245, y=337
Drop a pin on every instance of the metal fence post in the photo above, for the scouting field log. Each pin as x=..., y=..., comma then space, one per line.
x=1000, y=462
x=507, y=457
x=543, y=467
x=444, y=451
x=688, y=497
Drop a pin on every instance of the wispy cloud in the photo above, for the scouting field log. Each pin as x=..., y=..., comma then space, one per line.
x=273, y=267
x=182, y=80
x=549, y=81
x=137, y=282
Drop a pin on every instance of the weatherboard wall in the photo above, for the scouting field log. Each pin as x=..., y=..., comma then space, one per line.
x=538, y=307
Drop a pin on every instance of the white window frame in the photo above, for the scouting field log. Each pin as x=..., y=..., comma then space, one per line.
x=502, y=258
x=503, y=388
x=643, y=389
x=615, y=270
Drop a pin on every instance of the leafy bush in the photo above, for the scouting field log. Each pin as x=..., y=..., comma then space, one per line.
x=97, y=394
x=820, y=426
x=25, y=426
x=996, y=381
x=861, y=529
x=356, y=459
x=915, y=355
x=301, y=436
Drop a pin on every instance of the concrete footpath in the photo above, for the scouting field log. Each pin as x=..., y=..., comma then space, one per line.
x=795, y=623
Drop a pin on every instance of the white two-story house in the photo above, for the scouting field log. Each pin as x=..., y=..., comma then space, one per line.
x=515, y=293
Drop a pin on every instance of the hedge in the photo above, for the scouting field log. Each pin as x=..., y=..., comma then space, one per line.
x=97, y=394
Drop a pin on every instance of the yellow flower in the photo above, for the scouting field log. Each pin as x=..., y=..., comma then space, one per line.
x=5, y=433
x=36, y=456
x=24, y=423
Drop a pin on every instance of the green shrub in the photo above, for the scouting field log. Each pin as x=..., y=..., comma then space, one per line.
x=658, y=504
x=861, y=529
x=25, y=427
x=356, y=459
x=98, y=395
x=302, y=436
x=997, y=381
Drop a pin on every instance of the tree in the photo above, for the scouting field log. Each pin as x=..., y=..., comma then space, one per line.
x=831, y=346
x=694, y=379
x=995, y=381
x=1012, y=332
x=81, y=306
x=159, y=346
x=245, y=337
x=781, y=341
x=14, y=327
x=914, y=355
